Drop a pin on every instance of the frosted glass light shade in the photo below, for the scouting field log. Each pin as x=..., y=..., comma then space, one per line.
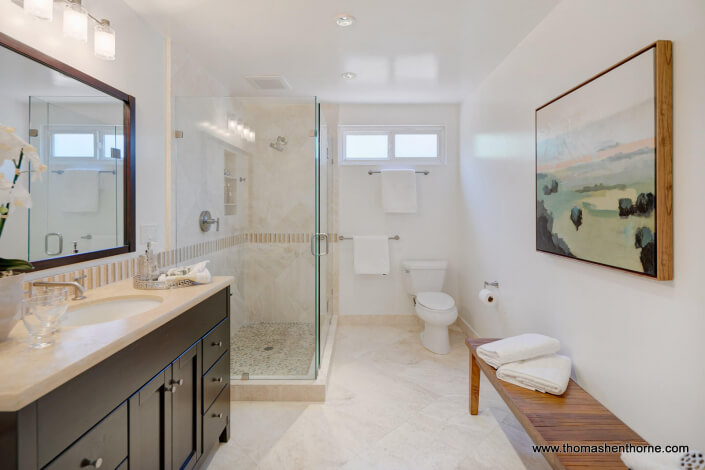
x=75, y=22
x=43, y=9
x=104, y=41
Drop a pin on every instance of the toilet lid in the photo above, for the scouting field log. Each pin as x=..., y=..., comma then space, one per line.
x=435, y=300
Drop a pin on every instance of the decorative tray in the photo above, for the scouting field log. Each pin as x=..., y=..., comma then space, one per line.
x=141, y=282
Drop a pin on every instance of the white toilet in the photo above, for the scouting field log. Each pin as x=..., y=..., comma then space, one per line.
x=424, y=280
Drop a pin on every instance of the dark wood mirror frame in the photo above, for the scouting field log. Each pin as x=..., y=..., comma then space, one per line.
x=129, y=238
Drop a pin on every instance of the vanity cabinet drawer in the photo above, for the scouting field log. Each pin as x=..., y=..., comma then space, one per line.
x=215, y=343
x=216, y=419
x=104, y=446
x=215, y=380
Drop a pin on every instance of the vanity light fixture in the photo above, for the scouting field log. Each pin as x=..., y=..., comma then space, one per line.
x=75, y=24
x=43, y=9
x=344, y=20
x=75, y=21
x=104, y=40
x=348, y=75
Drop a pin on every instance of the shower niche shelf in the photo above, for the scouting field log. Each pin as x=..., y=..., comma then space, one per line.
x=230, y=183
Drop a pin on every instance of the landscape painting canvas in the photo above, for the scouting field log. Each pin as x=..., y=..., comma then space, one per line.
x=596, y=169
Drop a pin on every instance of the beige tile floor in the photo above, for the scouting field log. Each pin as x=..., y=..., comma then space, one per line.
x=391, y=404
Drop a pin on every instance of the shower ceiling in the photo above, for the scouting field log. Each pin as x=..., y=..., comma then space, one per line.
x=401, y=51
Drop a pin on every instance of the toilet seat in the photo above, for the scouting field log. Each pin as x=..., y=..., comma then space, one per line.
x=438, y=301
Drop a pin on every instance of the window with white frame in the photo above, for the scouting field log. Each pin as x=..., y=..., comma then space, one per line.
x=99, y=142
x=422, y=145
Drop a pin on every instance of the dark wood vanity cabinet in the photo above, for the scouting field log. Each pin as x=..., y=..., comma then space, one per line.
x=163, y=402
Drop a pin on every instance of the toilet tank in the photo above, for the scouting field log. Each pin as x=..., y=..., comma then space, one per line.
x=424, y=275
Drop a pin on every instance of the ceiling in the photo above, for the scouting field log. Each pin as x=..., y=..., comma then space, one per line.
x=402, y=51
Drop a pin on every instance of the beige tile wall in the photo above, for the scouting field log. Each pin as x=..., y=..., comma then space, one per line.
x=107, y=273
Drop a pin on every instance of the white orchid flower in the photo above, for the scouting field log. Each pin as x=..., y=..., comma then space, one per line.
x=20, y=197
x=11, y=146
x=5, y=184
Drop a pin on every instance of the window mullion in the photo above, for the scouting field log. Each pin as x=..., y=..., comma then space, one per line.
x=390, y=144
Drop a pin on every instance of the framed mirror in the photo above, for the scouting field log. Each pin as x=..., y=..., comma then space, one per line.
x=80, y=178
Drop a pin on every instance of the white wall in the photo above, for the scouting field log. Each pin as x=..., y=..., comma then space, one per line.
x=138, y=70
x=637, y=344
x=428, y=234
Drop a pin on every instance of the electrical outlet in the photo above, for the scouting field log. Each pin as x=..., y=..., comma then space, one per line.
x=148, y=232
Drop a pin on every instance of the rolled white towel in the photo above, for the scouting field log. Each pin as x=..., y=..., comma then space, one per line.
x=651, y=460
x=547, y=374
x=201, y=277
x=517, y=348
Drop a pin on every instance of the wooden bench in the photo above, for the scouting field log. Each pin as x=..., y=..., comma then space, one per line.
x=574, y=418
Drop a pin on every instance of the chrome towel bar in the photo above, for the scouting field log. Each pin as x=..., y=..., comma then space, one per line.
x=340, y=237
x=372, y=172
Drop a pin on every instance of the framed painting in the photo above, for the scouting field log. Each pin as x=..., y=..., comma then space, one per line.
x=604, y=167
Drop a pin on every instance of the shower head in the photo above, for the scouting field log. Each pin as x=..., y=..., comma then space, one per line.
x=279, y=144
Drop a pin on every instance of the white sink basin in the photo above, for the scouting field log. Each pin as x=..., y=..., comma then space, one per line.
x=110, y=309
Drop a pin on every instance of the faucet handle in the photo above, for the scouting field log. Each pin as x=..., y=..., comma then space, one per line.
x=80, y=278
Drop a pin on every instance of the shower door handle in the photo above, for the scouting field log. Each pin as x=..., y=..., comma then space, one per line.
x=325, y=237
x=46, y=243
x=314, y=239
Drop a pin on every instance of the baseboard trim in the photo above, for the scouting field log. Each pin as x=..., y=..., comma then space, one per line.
x=382, y=320
x=467, y=329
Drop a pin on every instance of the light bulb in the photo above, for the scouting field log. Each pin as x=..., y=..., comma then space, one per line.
x=76, y=21
x=104, y=41
x=43, y=9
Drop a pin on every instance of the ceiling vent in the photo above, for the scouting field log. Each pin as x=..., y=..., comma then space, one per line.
x=268, y=82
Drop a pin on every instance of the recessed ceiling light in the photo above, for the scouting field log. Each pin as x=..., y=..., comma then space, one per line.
x=344, y=20
x=348, y=75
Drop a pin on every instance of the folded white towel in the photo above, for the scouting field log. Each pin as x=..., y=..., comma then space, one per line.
x=194, y=273
x=371, y=254
x=517, y=348
x=651, y=460
x=399, y=191
x=547, y=374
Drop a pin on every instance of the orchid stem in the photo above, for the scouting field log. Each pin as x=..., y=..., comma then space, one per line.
x=18, y=165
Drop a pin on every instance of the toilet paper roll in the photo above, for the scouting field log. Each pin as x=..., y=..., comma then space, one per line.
x=487, y=297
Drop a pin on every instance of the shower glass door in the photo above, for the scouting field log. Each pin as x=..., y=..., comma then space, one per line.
x=249, y=162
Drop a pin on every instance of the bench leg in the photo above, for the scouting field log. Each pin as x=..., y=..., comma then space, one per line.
x=474, y=384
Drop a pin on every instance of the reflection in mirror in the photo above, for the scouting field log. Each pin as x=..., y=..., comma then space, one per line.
x=77, y=202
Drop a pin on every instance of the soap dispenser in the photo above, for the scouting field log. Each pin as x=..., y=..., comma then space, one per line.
x=147, y=266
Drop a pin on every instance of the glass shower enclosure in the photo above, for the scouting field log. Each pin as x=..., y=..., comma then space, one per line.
x=255, y=165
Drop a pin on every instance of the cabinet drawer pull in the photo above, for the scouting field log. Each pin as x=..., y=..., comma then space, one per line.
x=97, y=463
x=217, y=379
x=218, y=415
x=177, y=382
x=217, y=344
x=171, y=388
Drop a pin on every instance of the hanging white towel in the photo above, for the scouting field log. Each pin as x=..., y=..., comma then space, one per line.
x=517, y=348
x=399, y=191
x=371, y=254
x=652, y=460
x=547, y=374
x=78, y=190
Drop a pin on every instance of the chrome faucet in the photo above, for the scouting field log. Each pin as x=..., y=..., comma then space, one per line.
x=78, y=292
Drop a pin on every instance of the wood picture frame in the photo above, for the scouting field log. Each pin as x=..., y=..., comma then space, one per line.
x=573, y=139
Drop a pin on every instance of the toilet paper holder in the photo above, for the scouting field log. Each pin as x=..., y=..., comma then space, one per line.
x=492, y=284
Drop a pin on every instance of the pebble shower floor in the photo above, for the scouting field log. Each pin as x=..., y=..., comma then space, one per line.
x=281, y=350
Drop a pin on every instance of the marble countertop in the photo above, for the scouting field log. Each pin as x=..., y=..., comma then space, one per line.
x=28, y=374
